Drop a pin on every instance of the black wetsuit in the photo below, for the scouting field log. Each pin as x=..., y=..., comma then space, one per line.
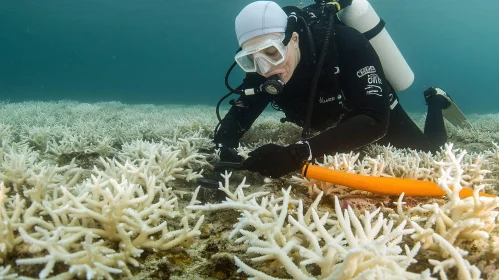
x=366, y=110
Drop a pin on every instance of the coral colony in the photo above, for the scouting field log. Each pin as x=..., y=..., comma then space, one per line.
x=86, y=190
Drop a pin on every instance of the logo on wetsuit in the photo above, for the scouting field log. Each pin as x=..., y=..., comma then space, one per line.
x=366, y=70
x=373, y=90
x=326, y=100
x=374, y=79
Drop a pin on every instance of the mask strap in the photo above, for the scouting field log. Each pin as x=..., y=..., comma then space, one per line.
x=290, y=28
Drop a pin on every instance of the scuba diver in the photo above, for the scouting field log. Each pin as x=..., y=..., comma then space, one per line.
x=327, y=78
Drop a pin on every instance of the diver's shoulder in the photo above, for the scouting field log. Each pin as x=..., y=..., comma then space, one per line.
x=350, y=40
x=348, y=34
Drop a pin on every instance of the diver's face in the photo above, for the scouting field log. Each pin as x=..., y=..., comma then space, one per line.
x=286, y=69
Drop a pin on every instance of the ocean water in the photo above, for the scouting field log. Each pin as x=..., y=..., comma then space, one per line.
x=164, y=51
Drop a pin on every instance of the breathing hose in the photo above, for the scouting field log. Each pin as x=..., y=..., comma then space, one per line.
x=310, y=106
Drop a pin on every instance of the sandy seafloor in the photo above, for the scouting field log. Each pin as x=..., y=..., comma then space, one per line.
x=211, y=256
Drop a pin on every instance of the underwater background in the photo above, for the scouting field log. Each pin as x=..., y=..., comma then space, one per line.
x=164, y=51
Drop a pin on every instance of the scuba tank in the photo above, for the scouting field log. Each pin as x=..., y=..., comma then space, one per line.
x=361, y=16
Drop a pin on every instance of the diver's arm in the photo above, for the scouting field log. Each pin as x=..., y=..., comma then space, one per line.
x=367, y=96
x=242, y=115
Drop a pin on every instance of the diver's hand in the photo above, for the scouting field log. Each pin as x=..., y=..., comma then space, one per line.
x=272, y=160
x=230, y=155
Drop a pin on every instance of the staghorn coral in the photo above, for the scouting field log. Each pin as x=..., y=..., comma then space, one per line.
x=438, y=227
x=166, y=161
x=495, y=246
x=4, y=273
x=10, y=212
x=492, y=157
x=442, y=228
x=15, y=161
x=47, y=143
x=344, y=247
x=80, y=229
x=459, y=219
x=20, y=166
x=66, y=129
x=97, y=222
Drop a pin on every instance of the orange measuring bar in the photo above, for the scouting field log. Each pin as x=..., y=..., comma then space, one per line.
x=380, y=185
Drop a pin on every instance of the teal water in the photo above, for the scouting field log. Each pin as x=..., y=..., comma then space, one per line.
x=164, y=51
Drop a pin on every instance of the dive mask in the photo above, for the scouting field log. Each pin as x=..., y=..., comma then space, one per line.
x=263, y=54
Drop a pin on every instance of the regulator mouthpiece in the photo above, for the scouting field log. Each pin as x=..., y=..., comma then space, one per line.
x=274, y=85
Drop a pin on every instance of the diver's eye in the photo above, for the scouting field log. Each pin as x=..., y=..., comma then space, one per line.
x=272, y=51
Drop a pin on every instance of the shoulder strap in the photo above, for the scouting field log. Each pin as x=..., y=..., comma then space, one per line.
x=290, y=9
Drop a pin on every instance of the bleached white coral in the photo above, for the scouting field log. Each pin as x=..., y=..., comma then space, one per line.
x=11, y=210
x=4, y=273
x=492, y=157
x=495, y=246
x=234, y=200
x=344, y=247
x=166, y=161
x=100, y=226
x=484, y=130
x=141, y=147
x=109, y=211
x=97, y=259
x=460, y=219
x=442, y=228
x=455, y=255
x=15, y=162
x=6, y=134
x=344, y=162
x=65, y=129
x=22, y=168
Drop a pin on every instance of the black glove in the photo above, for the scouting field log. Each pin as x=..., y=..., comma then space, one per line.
x=230, y=155
x=229, y=160
x=275, y=161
